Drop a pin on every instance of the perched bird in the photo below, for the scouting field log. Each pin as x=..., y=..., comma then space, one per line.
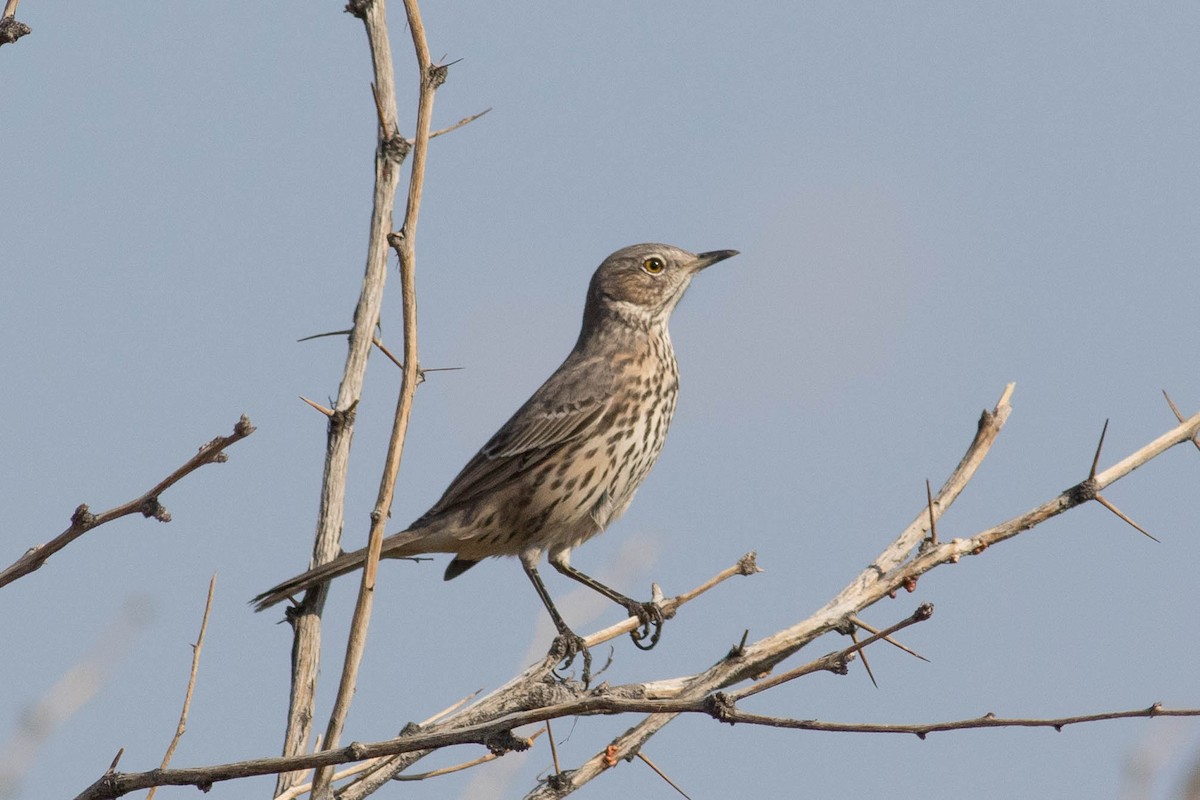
x=568, y=463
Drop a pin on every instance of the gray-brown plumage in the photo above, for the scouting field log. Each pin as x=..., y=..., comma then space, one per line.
x=568, y=463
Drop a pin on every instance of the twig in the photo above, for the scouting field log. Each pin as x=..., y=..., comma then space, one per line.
x=989, y=720
x=746, y=565
x=181, y=728
x=475, y=762
x=455, y=706
x=661, y=774
x=300, y=789
x=148, y=505
x=923, y=612
x=460, y=123
x=553, y=748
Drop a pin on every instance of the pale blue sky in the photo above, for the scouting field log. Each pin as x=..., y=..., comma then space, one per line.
x=931, y=200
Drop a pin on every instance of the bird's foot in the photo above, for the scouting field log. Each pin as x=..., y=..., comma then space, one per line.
x=565, y=647
x=650, y=621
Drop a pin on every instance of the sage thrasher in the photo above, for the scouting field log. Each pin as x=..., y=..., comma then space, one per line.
x=570, y=460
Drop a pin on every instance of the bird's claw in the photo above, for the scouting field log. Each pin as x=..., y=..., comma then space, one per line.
x=565, y=647
x=650, y=621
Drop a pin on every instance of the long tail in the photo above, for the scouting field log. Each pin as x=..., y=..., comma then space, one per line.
x=397, y=545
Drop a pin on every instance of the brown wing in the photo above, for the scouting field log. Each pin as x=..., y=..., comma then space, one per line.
x=565, y=408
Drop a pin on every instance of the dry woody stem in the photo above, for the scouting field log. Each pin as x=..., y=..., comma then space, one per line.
x=405, y=248
x=181, y=728
x=148, y=505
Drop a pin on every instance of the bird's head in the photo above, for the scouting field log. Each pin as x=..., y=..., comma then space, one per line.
x=641, y=284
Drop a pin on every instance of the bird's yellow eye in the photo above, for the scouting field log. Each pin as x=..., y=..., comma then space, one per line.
x=653, y=265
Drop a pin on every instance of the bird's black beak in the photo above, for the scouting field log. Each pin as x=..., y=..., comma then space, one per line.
x=708, y=259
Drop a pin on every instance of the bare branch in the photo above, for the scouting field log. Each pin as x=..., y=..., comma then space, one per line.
x=148, y=505
x=181, y=728
x=833, y=660
x=459, y=124
x=115, y=784
x=746, y=565
x=306, y=620
x=553, y=748
x=376, y=24
x=989, y=720
x=473, y=762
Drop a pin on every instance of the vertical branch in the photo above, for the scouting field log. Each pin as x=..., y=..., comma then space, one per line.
x=404, y=244
x=306, y=621
x=181, y=728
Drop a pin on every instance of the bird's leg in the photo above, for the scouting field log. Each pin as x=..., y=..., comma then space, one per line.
x=649, y=614
x=567, y=642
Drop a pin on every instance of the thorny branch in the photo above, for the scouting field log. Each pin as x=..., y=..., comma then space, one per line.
x=306, y=619
x=404, y=244
x=115, y=784
x=531, y=698
x=898, y=566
